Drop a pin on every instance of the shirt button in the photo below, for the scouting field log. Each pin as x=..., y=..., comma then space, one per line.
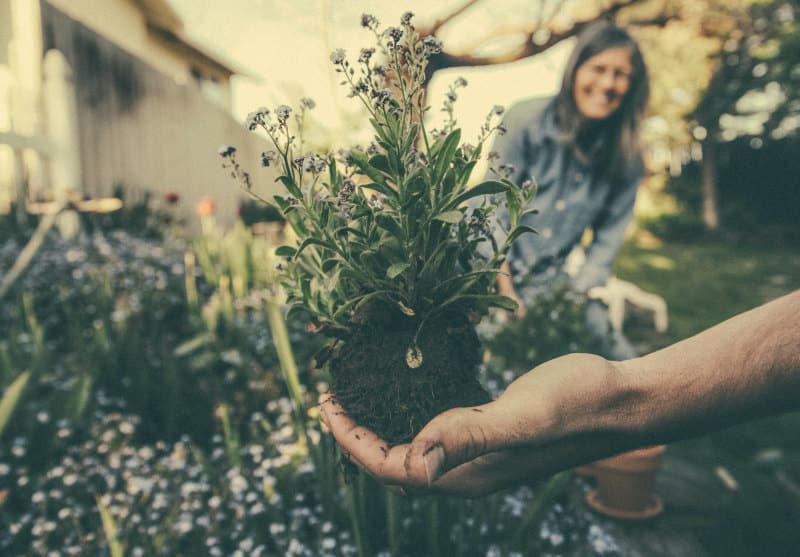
x=547, y=233
x=560, y=205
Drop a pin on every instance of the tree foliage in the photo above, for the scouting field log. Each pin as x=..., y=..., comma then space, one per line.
x=720, y=69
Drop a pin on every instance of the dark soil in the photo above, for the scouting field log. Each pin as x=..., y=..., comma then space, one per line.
x=375, y=386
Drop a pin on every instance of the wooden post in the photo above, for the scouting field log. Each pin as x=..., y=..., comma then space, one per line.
x=61, y=113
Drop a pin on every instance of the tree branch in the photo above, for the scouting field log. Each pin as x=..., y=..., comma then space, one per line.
x=528, y=47
x=441, y=22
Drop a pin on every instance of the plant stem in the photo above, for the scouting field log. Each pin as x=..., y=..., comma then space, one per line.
x=280, y=337
x=433, y=528
x=552, y=489
x=354, y=496
x=393, y=521
x=29, y=251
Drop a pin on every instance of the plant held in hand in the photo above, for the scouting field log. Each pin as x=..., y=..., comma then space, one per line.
x=396, y=260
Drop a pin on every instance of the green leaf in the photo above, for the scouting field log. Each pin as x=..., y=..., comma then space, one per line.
x=312, y=242
x=78, y=397
x=295, y=310
x=464, y=172
x=294, y=218
x=519, y=231
x=109, y=529
x=332, y=170
x=380, y=130
x=297, y=223
x=362, y=162
x=484, y=188
x=385, y=189
x=11, y=397
x=281, y=202
x=514, y=208
x=291, y=187
x=361, y=212
x=396, y=269
x=410, y=138
x=453, y=217
x=359, y=300
x=305, y=287
x=388, y=223
x=381, y=162
x=502, y=302
x=405, y=309
x=445, y=155
x=285, y=251
x=368, y=259
x=324, y=214
x=192, y=345
x=461, y=282
x=484, y=301
x=350, y=230
x=329, y=264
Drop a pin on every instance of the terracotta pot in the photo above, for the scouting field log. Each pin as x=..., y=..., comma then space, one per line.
x=625, y=484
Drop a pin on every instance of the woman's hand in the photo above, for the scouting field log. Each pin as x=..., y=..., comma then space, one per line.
x=505, y=287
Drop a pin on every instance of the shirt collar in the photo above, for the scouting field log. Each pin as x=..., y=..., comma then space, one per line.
x=546, y=126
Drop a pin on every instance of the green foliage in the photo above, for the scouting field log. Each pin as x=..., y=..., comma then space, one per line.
x=149, y=213
x=11, y=397
x=678, y=227
x=113, y=314
x=109, y=529
x=756, y=72
x=554, y=325
x=395, y=222
x=252, y=211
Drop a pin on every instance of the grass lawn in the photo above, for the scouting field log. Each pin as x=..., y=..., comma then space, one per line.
x=703, y=284
x=708, y=282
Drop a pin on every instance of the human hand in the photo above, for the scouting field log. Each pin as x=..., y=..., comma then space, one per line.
x=523, y=435
x=505, y=287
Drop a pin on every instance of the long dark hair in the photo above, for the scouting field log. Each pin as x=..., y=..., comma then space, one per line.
x=613, y=147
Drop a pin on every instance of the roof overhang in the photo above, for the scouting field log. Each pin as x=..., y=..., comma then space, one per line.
x=164, y=22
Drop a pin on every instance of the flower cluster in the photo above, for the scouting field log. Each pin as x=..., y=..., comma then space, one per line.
x=86, y=306
x=169, y=498
x=176, y=498
x=390, y=222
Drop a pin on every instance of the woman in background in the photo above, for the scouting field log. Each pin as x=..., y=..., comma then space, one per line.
x=582, y=147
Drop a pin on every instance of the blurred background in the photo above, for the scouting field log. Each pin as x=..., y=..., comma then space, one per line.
x=152, y=403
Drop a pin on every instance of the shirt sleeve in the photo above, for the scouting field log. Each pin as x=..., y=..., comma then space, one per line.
x=609, y=234
x=512, y=150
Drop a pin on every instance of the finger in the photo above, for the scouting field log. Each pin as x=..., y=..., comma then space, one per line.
x=451, y=439
x=488, y=473
x=323, y=400
x=364, y=447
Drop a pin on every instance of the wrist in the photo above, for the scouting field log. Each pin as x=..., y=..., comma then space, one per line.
x=624, y=411
x=607, y=398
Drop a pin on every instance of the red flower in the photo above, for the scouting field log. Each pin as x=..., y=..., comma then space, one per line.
x=206, y=207
x=172, y=198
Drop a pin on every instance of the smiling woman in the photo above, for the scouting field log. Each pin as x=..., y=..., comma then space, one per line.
x=582, y=147
x=602, y=82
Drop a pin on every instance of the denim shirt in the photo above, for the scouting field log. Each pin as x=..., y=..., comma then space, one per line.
x=569, y=199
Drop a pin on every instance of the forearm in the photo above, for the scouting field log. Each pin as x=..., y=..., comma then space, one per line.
x=743, y=368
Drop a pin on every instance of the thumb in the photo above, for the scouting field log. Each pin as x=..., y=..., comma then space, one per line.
x=451, y=439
